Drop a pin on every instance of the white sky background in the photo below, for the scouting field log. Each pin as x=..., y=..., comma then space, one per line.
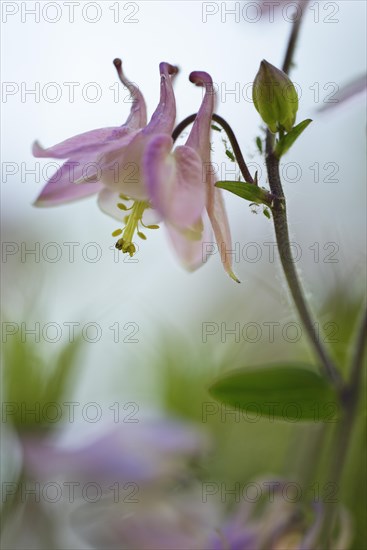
x=155, y=291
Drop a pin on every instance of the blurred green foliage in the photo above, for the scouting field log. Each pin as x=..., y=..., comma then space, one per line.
x=245, y=450
x=244, y=446
x=32, y=382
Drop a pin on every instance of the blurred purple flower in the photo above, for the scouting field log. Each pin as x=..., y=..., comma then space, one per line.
x=143, y=452
x=169, y=512
x=182, y=520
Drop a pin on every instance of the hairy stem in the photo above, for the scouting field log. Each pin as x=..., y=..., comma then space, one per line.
x=281, y=227
x=292, y=42
x=282, y=237
x=231, y=136
x=349, y=393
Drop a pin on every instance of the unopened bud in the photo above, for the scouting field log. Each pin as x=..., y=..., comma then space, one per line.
x=275, y=98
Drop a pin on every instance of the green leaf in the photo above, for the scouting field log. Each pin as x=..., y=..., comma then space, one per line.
x=216, y=128
x=293, y=393
x=266, y=213
x=287, y=141
x=230, y=155
x=259, y=144
x=247, y=191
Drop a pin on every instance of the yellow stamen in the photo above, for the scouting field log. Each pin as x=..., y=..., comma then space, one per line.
x=132, y=221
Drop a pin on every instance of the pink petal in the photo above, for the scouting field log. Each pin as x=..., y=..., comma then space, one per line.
x=175, y=181
x=151, y=217
x=218, y=217
x=91, y=141
x=61, y=187
x=199, y=137
x=101, y=139
x=190, y=252
x=138, y=113
x=163, y=119
x=122, y=167
x=107, y=202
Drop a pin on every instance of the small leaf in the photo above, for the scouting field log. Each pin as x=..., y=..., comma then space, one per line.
x=293, y=392
x=266, y=213
x=288, y=140
x=259, y=144
x=247, y=191
x=216, y=128
x=230, y=155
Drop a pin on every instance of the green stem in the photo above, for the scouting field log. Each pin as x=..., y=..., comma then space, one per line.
x=357, y=361
x=281, y=226
x=350, y=399
x=349, y=393
x=282, y=237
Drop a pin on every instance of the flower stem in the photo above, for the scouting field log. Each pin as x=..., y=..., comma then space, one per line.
x=231, y=136
x=281, y=227
x=357, y=362
x=350, y=399
x=282, y=237
x=292, y=42
x=349, y=393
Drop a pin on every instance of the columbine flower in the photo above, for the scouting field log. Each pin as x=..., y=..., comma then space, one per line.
x=108, y=161
x=132, y=169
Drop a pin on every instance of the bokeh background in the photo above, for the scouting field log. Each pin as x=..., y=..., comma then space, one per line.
x=161, y=362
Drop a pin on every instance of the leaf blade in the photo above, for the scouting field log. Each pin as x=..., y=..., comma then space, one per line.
x=293, y=392
x=247, y=191
x=286, y=142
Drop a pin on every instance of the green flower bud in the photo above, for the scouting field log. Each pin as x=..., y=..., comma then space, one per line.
x=275, y=98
